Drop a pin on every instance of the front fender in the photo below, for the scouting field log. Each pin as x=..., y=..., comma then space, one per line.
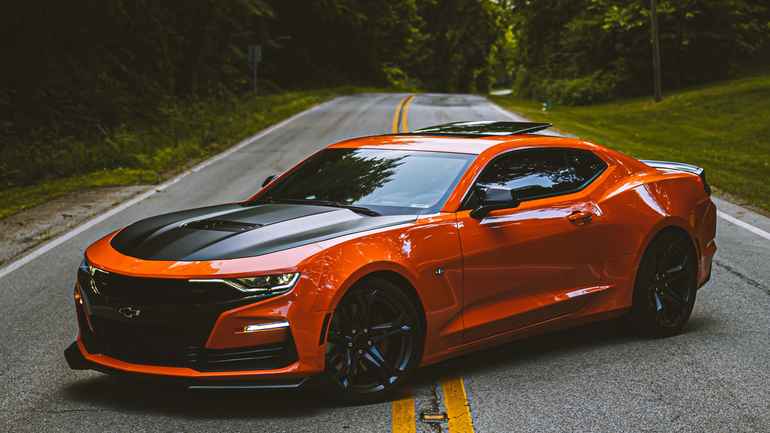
x=413, y=252
x=368, y=269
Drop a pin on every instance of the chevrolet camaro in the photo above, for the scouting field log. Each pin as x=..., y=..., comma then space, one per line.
x=378, y=255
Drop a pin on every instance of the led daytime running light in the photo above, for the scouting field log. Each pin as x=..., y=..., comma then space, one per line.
x=265, y=284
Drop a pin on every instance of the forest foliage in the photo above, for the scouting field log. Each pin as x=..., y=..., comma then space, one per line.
x=97, y=62
x=586, y=51
x=76, y=72
x=84, y=73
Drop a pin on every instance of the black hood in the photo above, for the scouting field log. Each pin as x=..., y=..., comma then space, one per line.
x=234, y=231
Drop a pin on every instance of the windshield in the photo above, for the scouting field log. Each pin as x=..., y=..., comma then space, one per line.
x=389, y=182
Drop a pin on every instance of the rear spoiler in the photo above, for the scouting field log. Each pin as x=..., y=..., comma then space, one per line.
x=680, y=166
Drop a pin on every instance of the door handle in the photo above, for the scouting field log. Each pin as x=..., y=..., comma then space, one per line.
x=580, y=217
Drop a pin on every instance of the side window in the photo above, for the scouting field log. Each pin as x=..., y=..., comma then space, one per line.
x=536, y=173
x=587, y=165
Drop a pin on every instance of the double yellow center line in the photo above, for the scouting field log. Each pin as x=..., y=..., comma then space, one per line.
x=403, y=416
x=457, y=408
x=401, y=115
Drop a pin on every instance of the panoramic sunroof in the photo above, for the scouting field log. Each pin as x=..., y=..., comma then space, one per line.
x=483, y=128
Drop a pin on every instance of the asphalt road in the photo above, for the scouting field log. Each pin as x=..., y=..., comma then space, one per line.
x=713, y=378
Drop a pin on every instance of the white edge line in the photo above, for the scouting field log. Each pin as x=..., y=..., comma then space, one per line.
x=744, y=225
x=48, y=246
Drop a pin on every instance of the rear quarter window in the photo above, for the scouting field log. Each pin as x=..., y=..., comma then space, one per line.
x=538, y=173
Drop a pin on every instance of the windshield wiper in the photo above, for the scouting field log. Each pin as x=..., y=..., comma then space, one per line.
x=357, y=209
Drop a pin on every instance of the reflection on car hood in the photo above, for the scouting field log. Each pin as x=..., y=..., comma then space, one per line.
x=234, y=231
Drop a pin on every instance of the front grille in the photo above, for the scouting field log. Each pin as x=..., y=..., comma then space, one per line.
x=155, y=345
x=146, y=344
x=156, y=291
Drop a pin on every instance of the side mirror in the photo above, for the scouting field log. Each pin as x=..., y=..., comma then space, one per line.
x=268, y=180
x=493, y=199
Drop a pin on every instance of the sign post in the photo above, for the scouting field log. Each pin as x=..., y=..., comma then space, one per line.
x=658, y=93
x=255, y=57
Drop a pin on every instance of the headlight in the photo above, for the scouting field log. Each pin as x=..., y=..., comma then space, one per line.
x=268, y=282
x=264, y=284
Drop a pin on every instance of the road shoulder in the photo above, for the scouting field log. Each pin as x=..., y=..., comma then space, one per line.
x=21, y=232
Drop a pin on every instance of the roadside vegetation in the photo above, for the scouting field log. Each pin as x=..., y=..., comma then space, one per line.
x=723, y=127
x=187, y=132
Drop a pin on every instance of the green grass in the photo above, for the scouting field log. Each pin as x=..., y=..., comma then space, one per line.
x=145, y=153
x=724, y=127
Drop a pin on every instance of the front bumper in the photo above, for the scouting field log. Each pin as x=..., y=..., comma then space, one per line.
x=77, y=360
x=204, y=349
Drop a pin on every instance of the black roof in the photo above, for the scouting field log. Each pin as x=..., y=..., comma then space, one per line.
x=481, y=128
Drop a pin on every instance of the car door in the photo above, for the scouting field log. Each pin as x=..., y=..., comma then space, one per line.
x=523, y=265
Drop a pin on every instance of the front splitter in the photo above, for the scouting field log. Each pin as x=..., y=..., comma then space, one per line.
x=77, y=361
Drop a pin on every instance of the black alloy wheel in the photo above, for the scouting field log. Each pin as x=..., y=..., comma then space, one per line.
x=664, y=293
x=374, y=341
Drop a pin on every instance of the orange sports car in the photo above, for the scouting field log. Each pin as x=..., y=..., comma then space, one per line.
x=378, y=255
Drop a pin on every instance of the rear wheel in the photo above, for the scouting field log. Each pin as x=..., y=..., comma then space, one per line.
x=664, y=292
x=375, y=340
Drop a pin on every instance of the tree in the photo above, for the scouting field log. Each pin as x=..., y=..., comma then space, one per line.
x=581, y=51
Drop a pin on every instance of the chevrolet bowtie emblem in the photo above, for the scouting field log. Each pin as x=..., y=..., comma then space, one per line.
x=129, y=312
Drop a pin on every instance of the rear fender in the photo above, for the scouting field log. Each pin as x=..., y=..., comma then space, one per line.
x=679, y=200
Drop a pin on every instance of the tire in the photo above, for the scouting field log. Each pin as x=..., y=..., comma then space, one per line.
x=374, y=341
x=665, y=286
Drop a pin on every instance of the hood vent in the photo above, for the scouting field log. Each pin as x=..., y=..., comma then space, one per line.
x=221, y=226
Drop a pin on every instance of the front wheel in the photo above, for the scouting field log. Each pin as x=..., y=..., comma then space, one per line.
x=375, y=340
x=664, y=292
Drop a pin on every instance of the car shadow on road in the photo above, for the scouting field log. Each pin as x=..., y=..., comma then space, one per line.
x=124, y=395
x=567, y=343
